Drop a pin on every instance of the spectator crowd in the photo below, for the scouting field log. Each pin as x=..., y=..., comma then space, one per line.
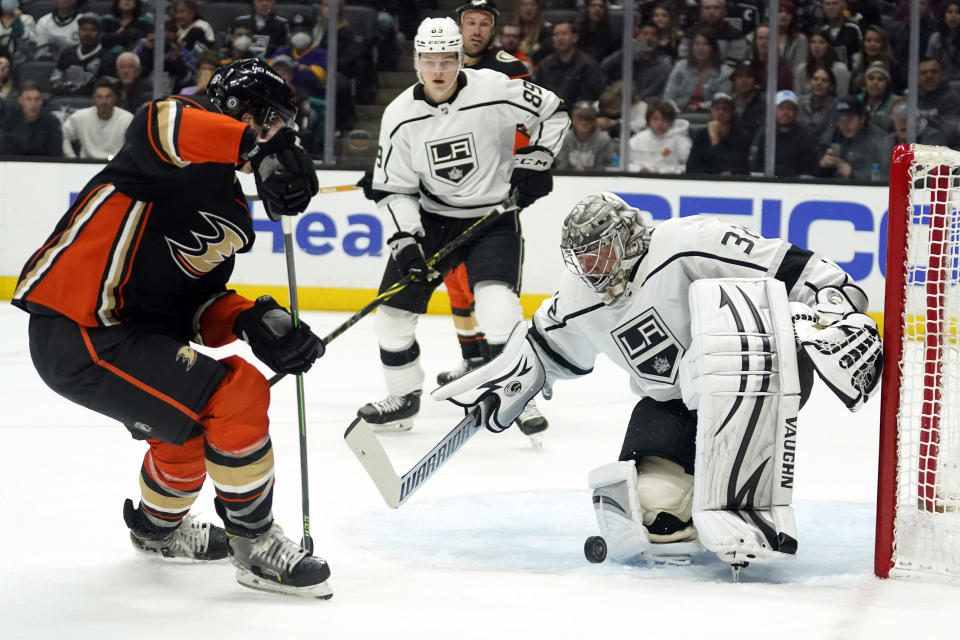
x=72, y=74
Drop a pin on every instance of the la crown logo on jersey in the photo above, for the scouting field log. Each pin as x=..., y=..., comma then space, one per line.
x=452, y=160
x=648, y=345
x=209, y=249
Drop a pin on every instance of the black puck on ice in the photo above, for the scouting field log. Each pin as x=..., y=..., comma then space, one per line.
x=595, y=549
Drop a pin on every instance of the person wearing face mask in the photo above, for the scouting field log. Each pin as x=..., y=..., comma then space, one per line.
x=651, y=68
x=18, y=31
x=239, y=44
x=309, y=61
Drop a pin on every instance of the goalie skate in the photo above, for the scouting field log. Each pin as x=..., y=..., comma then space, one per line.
x=192, y=540
x=273, y=563
x=392, y=414
x=532, y=423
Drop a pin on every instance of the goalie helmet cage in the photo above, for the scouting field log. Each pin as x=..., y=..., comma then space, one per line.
x=918, y=491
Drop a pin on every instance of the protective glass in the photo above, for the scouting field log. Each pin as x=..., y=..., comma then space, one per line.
x=597, y=262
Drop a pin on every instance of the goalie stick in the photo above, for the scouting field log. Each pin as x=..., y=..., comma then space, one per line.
x=397, y=489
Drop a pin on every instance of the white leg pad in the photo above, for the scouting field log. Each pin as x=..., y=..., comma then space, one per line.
x=740, y=374
x=497, y=308
x=396, y=330
x=617, y=507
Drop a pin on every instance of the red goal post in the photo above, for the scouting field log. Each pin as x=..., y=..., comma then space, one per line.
x=918, y=491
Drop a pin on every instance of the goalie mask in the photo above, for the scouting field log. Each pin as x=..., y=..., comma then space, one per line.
x=602, y=239
x=250, y=86
x=437, y=35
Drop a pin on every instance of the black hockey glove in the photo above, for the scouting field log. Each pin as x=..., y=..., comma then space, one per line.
x=366, y=183
x=269, y=330
x=531, y=177
x=284, y=172
x=408, y=255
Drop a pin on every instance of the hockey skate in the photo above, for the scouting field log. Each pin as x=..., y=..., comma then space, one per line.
x=273, y=563
x=392, y=414
x=465, y=367
x=192, y=540
x=533, y=424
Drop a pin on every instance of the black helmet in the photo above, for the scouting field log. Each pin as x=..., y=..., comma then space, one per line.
x=478, y=5
x=249, y=85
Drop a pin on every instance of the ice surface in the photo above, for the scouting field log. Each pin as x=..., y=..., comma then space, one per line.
x=490, y=547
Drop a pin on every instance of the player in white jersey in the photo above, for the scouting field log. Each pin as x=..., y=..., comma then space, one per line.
x=719, y=330
x=446, y=159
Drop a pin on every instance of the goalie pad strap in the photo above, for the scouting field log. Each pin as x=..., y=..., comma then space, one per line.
x=740, y=374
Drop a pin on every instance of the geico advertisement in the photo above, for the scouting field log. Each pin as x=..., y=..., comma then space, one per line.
x=340, y=239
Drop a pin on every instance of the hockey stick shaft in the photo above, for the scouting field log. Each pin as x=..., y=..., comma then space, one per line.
x=397, y=489
x=468, y=234
x=321, y=191
x=301, y=404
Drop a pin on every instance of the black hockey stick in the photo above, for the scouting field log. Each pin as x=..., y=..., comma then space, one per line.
x=307, y=541
x=468, y=234
x=397, y=489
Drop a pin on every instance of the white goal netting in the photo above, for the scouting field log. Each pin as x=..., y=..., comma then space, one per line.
x=927, y=514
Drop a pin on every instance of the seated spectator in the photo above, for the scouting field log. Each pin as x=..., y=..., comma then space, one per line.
x=730, y=41
x=610, y=108
x=179, y=65
x=597, y=38
x=536, y=34
x=750, y=104
x=125, y=25
x=796, y=152
x=99, y=130
x=937, y=101
x=309, y=61
x=650, y=68
x=925, y=134
x=18, y=32
x=587, y=147
x=207, y=63
x=510, y=42
x=842, y=34
x=759, y=48
x=134, y=90
x=664, y=146
x=791, y=40
x=723, y=147
x=821, y=54
x=27, y=129
x=7, y=90
x=78, y=68
x=878, y=96
x=944, y=45
x=239, y=43
x=852, y=149
x=899, y=27
x=693, y=81
x=354, y=64
x=269, y=30
x=669, y=34
x=193, y=32
x=875, y=47
x=816, y=106
x=57, y=29
x=568, y=72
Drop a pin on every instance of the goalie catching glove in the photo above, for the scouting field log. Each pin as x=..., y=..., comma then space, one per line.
x=503, y=386
x=284, y=173
x=268, y=329
x=842, y=343
x=531, y=177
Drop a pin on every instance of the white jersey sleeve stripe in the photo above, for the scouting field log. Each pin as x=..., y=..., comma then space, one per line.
x=545, y=349
x=701, y=254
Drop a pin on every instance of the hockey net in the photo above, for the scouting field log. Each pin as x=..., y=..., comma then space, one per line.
x=918, y=504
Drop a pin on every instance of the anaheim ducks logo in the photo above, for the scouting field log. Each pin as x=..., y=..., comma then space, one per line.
x=210, y=249
x=186, y=355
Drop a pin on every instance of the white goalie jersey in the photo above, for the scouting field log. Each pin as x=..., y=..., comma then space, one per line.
x=455, y=158
x=646, y=331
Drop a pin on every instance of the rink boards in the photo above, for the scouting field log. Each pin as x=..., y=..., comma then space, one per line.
x=340, y=239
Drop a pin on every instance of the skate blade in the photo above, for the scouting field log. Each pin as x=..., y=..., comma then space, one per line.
x=399, y=426
x=537, y=441
x=250, y=580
